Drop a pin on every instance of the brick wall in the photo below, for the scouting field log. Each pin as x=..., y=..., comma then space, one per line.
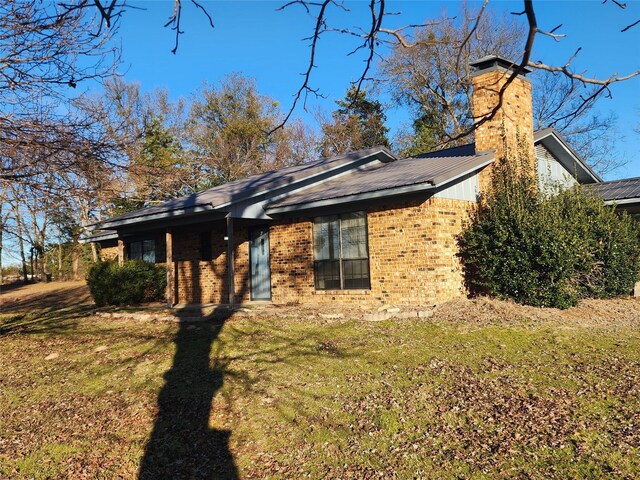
x=513, y=123
x=108, y=253
x=412, y=251
x=412, y=259
x=291, y=250
x=201, y=281
x=412, y=256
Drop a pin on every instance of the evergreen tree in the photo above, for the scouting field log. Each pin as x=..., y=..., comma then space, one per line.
x=357, y=124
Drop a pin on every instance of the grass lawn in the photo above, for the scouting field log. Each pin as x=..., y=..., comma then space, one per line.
x=481, y=390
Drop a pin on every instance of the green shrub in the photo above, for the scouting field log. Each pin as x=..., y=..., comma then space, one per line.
x=133, y=282
x=547, y=249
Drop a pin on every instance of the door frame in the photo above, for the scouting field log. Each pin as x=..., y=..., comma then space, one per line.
x=264, y=227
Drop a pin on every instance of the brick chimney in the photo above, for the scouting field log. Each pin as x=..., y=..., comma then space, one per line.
x=512, y=125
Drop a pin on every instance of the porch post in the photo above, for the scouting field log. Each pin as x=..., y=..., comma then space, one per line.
x=230, y=262
x=169, y=265
x=120, y=251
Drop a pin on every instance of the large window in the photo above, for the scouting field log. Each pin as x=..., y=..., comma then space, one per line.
x=143, y=250
x=340, y=252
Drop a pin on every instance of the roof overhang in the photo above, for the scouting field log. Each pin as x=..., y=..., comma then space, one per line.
x=484, y=159
x=624, y=201
x=150, y=217
x=100, y=237
x=364, y=158
x=182, y=212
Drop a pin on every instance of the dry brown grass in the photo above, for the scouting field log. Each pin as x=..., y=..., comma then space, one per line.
x=483, y=389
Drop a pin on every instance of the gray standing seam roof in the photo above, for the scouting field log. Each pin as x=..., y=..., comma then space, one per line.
x=428, y=169
x=250, y=186
x=618, y=189
x=391, y=177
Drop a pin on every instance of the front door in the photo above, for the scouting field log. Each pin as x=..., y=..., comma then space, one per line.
x=259, y=259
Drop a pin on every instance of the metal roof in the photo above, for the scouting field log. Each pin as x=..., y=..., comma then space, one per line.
x=625, y=189
x=422, y=172
x=492, y=62
x=360, y=175
x=100, y=236
x=245, y=188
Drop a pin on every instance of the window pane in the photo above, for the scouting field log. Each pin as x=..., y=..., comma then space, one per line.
x=327, y=274
x=355, y=273
x=326, y=244
x=135, y=251
x=205, y=246
x=354, y=235
x=149, y=251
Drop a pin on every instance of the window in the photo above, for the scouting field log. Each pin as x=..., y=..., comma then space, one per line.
x=143, y=250
x=205, y=246
x=340, y=252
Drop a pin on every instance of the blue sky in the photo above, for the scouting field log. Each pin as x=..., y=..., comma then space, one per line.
x=253, y=38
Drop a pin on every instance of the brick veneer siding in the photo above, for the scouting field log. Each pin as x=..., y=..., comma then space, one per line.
x=412, y=251
x=511, y=128
x=291, y=252
x=412, y=256
x=199, y=281
x=108, y=253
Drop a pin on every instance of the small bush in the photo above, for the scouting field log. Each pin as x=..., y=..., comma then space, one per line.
x=547, y=249
x=133, y=282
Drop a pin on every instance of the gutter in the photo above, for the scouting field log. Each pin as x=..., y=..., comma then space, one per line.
x=624, y=201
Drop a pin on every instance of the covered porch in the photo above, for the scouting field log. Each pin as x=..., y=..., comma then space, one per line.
x=204, y=257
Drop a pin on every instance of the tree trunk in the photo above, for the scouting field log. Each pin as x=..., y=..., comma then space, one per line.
x=75, y=262
x=75, y=258
x=85, y=222
x=59, y=260
x=23, y=257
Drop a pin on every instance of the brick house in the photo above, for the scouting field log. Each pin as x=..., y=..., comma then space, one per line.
x=366, y=227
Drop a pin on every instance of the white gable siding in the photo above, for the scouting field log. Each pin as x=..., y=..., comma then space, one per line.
x=465, y=188
x=551, y=172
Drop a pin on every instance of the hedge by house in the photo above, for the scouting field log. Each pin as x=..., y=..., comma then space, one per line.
x=133, y=282
x=547, y=248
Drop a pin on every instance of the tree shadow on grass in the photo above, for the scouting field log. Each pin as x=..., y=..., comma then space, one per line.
x=182, y=445
x=55, y=311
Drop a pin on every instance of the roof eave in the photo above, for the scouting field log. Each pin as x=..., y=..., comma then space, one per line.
x=623, y=201
x=100, y=237
x=437, y=182
x=109, y=224
x=375, y=153
x=350, y=198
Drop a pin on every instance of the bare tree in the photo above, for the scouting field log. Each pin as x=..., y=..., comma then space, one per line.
x=432, y=78
x=558, y=102
x=148, y=132
x=374, y=34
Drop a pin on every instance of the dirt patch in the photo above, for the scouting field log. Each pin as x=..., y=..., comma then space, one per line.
x=613, y=313
x=618, y=312
x=608, y=314
x=51, y=296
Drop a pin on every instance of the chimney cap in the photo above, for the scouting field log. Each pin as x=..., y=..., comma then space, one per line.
x=494, y=62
